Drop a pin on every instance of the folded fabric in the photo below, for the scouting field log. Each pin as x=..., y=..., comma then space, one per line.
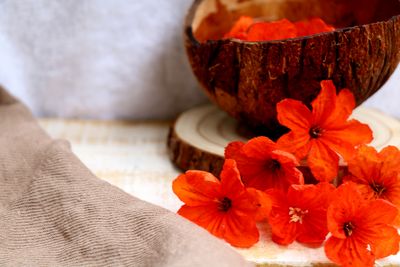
x=55, y=212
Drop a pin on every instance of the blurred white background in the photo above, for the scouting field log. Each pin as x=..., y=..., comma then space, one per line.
x=108, y=59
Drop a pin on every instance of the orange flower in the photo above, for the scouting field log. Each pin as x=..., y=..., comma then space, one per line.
x=245, y=28
x=300, y=214
x=377, y=174
x=312, y=26
x=239, y=29
x=323, y=132
x=225, y=208
x=361, y=229
x=263, y=166
x=268, y=31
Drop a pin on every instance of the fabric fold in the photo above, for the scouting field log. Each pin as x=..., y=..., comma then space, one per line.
x=55, y=212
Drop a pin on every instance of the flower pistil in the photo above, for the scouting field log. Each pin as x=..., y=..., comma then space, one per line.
x=378, y=189
x=316, y=132
x=297, y=214
x=348, y=228
x=273, y=165
x=225, y=204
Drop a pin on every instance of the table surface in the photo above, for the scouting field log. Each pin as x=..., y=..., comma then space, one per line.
x=133, y=156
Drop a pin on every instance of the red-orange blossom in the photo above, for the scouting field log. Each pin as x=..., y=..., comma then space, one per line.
x=322, y=133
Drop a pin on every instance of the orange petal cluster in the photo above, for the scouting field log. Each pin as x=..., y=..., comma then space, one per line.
x=377, y=174
x=362, y=230
x=223, y=207
x=322, y=133
x=260, y=181
x=300, y=214
x=246, y=28
x=263, y=166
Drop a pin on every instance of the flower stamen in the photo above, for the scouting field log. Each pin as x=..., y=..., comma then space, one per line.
x=315, y=132
x=378, y=189
x=297, y=214
x=225, y=204
x=348, y=229
x=273, y=165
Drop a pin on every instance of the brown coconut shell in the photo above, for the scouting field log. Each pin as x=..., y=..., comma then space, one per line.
x=248, y=79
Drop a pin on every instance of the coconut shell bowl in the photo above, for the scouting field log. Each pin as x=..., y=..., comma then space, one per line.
x=247, y=79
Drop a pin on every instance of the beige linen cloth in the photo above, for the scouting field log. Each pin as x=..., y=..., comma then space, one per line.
x=55, y=212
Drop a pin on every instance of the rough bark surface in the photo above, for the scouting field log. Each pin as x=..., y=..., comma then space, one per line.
x=248, y=79
x=188, y=157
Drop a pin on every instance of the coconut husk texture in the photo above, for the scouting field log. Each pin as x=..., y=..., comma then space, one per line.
x=248, y=79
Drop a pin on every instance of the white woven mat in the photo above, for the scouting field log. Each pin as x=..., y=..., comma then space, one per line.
x=133, y=157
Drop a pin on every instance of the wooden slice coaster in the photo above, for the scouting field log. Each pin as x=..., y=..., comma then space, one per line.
x=199, y=136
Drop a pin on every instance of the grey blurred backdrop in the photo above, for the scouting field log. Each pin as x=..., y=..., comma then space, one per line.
x=108, y=59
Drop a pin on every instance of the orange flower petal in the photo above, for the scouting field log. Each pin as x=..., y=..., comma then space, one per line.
x=344, y=106
x=207, y=217
x=241, y=232
x=224, y=208
x=344, y=140
x=347, y=252
x=302, y=27
x=259, y=148
x=239, y=29
x=365, y=165
x=292, y=176
x=392, y=186
x=323, y=162
x=363, y=186
x=300, y=214
x=288, y=173
x=232, y=150
x=276, y=30
x=314, y=199
x=314, y=229
x=299, y=144
x=283, y=232
x=372, y=235
x=383, y=213
x=262, y=166
x=312, y=26
x=369, y=169
x=258, y=181
x=317, y=25
x=230, y=179
x=196, y=187
x=324, y=104
x=346, y=202
x=294, y=115
x=390, y=156
x=280, y=179
x=387, y=244
x=262, y=202
x=288, y=237
x=284, y=158
x=384, y=239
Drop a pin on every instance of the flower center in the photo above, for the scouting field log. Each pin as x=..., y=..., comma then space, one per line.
x=225, y=204
x=272, y=165
x=315, y=132
x=348, y=229
x=297, y=214
x=378, y=189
